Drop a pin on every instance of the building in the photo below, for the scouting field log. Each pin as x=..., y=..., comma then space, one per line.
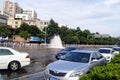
x=3, y=20
x=101, y=35
x=14, y=22
x=31, y=12
x=105, y=35
x=37, y=22
x=4, y=13
x=23, y=16
x=43, y=24
x=97, y=36
x=12, y=8
x=30, y=22
x=17, y=38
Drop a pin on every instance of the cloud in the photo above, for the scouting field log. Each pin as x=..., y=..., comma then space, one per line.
x=111, y=2
x=94, y=15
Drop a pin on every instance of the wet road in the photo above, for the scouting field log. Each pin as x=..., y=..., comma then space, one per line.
x=39, y=59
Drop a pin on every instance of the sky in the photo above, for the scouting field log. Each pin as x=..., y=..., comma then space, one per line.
x=101, y=16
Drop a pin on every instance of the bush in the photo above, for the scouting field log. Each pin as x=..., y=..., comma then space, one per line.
x=116, y=60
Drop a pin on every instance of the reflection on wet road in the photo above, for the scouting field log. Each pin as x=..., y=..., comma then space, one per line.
x=39, y=59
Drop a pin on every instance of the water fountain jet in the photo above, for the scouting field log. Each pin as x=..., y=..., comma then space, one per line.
x=56, y=42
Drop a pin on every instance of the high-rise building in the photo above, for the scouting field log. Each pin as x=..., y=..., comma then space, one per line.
x=31, y=12
x=3, y=20
x=5, y=13
x=12, y=8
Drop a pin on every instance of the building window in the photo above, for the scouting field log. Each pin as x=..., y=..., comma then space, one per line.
x=16, y=22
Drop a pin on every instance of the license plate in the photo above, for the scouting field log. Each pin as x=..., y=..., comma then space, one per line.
x=52, y=78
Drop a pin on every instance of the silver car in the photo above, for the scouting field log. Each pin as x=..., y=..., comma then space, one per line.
x=75, y=64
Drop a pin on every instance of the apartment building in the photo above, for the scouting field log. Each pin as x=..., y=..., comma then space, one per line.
x=4, y=13
x=14, y=22
x=23, y=16
x=43, y=24
x=12, y=8
x=31, y=12
x=37, y=22
x=3, y=19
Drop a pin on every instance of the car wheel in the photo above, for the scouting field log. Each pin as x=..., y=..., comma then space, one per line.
x=14, y=66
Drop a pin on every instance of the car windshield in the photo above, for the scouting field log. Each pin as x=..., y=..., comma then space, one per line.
x=116, y=49
x=104, y=51
x=69, y=49
x=77, y=57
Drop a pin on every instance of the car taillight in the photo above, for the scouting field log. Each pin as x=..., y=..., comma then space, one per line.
x=27, y=56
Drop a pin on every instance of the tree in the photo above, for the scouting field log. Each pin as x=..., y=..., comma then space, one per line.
x=23, y=27
x=25, y=34
x=4, y=31
x=52, y=30
x=33, y=30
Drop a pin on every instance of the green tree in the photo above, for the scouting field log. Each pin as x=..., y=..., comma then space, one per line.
x=25, y=34
x=4, y=31
x=23, y=27
x=52, y=30
x=33, y=30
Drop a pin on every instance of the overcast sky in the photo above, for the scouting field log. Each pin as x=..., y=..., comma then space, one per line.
x=101, y=16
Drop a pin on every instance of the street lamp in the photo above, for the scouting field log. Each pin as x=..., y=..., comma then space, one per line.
x=45, y=35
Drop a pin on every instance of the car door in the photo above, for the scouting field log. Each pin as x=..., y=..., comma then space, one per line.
x=93, y=63
x=5, y=58
x=100, y=58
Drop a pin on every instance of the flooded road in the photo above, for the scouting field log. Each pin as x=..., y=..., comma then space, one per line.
x=40, y=58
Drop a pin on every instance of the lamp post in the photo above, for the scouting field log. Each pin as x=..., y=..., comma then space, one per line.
x=45, y=35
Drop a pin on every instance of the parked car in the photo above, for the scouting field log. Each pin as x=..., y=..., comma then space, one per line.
x=64, y=51
x=12, y=59
x=116, y=50
x=74, y=65
x=108, y=53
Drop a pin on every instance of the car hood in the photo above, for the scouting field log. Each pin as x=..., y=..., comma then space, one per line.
x=62, y=52
x=106, y=55
x=66, y=66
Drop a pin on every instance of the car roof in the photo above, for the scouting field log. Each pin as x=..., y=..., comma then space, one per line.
x=106, y=48
x=84, y=51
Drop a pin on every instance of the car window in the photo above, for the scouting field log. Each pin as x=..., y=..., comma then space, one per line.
x=77, y=57
x=5, y=52
x=93, y=56
x=104, y=51
x=98, y=55
x=116, y=49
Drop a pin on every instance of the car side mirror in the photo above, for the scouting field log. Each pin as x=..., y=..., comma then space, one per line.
x=94, y=60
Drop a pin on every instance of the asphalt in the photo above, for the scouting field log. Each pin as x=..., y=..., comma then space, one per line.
x=35, y=76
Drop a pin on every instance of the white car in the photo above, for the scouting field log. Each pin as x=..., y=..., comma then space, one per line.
x=108, y=53
x=116, y=50
x=12, y=59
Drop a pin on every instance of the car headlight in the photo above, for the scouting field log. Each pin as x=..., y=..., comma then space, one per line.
x=76, y=74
